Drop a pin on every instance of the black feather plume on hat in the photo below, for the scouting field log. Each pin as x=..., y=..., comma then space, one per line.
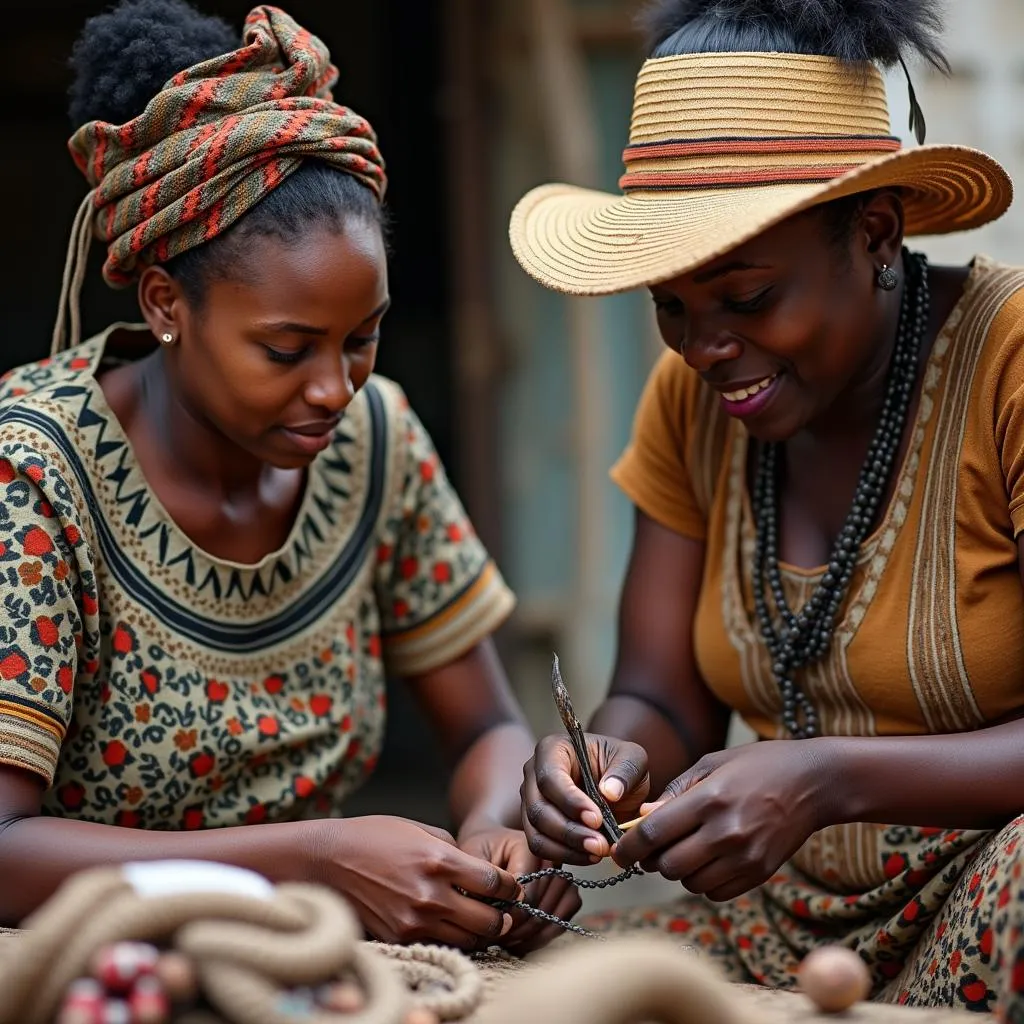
x=850, y=30
x=883, y=32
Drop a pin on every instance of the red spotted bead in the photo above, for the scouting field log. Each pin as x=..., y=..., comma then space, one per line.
x=149, y=1002
x=119, y=967
x=84, y=1003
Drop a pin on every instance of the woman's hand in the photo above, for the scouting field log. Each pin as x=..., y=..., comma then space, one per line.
x=508, y=849
x=404, y=879
x=559, y=819
x=730, y=822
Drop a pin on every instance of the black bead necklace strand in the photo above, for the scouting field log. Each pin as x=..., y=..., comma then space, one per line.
x=582, y=883
x=803, y=637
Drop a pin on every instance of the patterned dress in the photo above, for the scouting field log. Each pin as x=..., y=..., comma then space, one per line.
x=930, y=640
x=150, y=684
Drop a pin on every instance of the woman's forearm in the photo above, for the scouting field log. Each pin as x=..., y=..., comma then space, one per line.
x=634, y=719
x=961, y=780
x=38, y=853
x=485, y=784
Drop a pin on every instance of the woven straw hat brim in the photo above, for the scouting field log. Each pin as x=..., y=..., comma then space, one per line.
x=583, y=242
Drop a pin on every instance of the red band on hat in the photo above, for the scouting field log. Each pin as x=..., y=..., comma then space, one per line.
x=753, y=146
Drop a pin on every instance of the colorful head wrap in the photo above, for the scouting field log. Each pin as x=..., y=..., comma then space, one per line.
x=206, y=149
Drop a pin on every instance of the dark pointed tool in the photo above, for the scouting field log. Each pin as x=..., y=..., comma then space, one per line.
x=609, y=827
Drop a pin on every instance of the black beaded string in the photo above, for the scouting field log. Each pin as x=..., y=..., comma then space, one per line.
x=582, y=883
x=803, y=637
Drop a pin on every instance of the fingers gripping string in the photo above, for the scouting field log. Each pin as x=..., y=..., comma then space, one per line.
x=610, y=827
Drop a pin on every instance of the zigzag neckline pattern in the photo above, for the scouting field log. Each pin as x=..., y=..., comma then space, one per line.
x=314, y=568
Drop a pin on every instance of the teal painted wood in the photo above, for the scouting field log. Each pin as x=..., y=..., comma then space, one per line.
x=538, y=422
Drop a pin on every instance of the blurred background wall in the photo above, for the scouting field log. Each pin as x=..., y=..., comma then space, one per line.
x=529, y=396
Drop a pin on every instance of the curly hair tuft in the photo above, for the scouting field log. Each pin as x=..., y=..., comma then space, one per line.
x=123, y=57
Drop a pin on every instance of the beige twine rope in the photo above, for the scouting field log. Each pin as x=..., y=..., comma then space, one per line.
x=442, y=980
x=248, y=953
x=625, y=981
x=75, y=265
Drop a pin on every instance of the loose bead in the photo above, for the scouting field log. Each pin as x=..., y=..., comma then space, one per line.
x=300, y=1002
x=84, y=1003
x=421, y=1015
x=834, y=978
x=342, y=997
x=149, y=1003
x=178, y=977
x=120, y=965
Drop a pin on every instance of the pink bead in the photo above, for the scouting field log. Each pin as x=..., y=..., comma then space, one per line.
x=116, y=1012
x=834, y=978
x=178, y=976
x=342, y=997
x=120, y=965
x=149, y=1003
x=419, y=1015
x=84, y=1003
x=84, y=989
x=80, y=1015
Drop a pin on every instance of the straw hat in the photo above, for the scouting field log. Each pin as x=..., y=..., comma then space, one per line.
x=725, y=145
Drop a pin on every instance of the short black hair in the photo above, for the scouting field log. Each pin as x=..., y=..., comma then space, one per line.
x=839, y=219
x=125, y=56
x=854, y=31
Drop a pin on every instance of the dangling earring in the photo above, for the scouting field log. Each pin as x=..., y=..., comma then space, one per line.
x=887, y=278
x=167, y=339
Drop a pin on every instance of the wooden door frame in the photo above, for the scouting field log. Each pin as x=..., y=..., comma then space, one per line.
x=477, y=344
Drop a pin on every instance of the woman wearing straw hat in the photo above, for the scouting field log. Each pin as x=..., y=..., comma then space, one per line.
x=218, y=529
x=829, y=488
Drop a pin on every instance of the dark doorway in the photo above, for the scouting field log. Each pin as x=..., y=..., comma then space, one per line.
x=389, y=55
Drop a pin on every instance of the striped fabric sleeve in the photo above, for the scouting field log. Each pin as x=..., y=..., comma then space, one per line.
x=1003, y=387
x=43, y=589
x=438, y=591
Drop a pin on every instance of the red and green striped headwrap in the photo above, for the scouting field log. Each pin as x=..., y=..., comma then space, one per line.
x=207, y=148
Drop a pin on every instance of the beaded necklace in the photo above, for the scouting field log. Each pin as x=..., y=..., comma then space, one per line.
x=796, y=639
x=802, y=637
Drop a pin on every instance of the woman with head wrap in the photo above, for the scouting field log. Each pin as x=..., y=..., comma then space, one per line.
x=218, y=529
x=827, y=474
